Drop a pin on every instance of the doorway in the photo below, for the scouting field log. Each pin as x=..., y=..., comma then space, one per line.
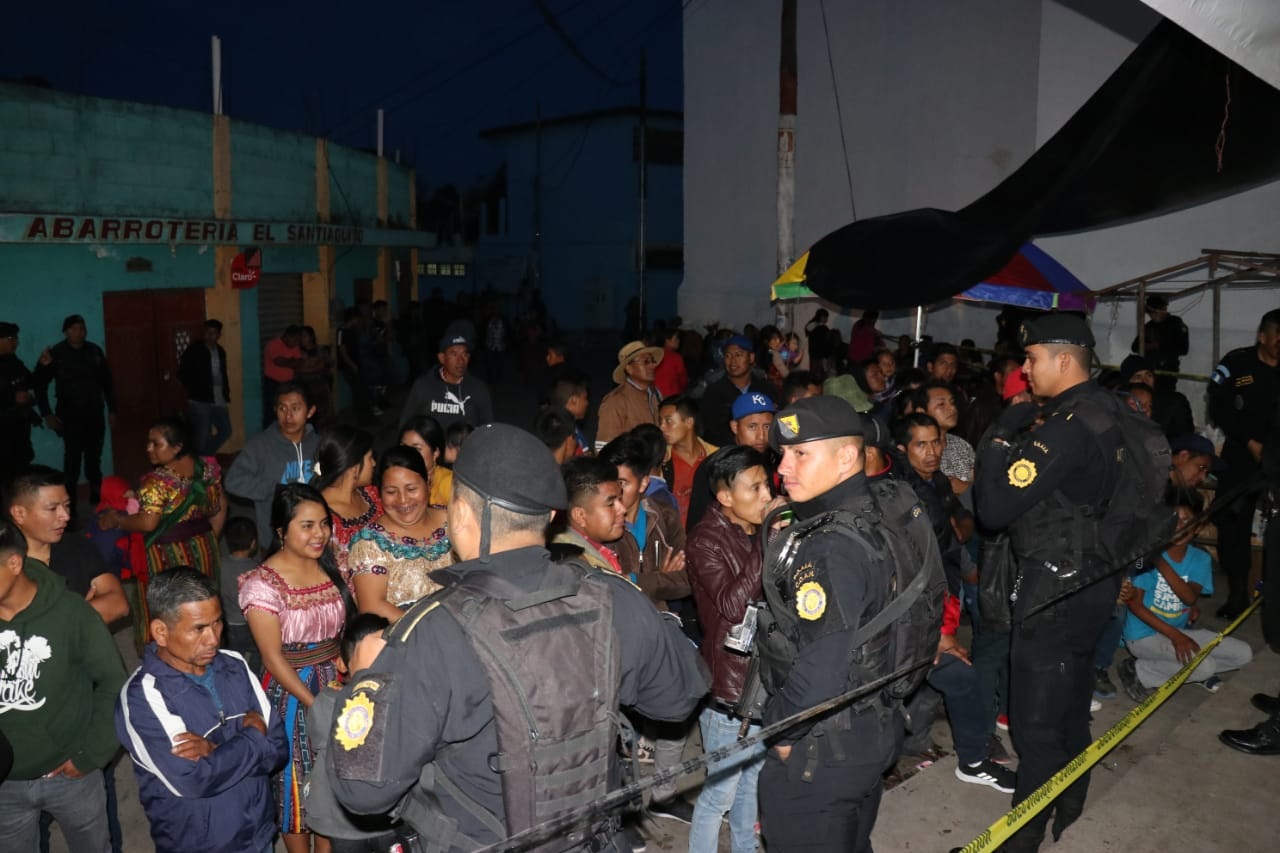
x=146, y=333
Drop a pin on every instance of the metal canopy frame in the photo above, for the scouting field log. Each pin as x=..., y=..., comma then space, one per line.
x=1218, y=268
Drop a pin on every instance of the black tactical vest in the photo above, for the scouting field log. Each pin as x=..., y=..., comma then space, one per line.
x=553, y=669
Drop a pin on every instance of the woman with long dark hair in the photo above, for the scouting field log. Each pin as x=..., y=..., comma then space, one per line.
x=392, y=558
x=181, y=510
x=425, y=435
x=344, y=475
x=296, y=604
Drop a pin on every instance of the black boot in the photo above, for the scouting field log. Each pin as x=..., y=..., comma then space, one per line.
x=1262, y=739
x=1266, y=704
x=1066, y=812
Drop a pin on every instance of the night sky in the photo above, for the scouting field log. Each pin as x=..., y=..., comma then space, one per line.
x=443, y=70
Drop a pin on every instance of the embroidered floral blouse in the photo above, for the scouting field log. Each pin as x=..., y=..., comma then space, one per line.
x=161, y=491
x=407, y=562
x=309, y=614
x=346, y=528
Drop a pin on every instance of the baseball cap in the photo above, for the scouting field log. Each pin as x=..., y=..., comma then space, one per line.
x=72, y=320
x=752, y=403
x=457, y=332
x=813, y=419
x=741, y=342
x=876, y=434
x=512, y=469
x=1198, y=445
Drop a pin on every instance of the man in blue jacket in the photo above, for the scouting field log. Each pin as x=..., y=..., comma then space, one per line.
x=203, y=738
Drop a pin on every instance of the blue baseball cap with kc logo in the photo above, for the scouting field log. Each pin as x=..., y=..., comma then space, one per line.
x=752, y=403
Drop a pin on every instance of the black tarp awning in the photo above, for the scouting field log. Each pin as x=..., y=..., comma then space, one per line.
x=1146, y=143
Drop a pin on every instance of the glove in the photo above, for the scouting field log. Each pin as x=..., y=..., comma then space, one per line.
x=1015, y=419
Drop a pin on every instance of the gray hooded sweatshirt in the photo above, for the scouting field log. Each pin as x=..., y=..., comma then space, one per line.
x=268, y=460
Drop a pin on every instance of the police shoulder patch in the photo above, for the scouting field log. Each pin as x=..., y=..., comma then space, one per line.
x=1022, y=473
x=355, y=722
x=811, y=601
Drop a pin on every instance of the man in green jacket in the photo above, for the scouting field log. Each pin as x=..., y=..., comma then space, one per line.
x=59, y=677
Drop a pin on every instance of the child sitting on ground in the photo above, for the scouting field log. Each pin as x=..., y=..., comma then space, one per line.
x=1157, y=631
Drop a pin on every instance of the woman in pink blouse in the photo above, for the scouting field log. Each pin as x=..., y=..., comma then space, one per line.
x=344, y=475
x=296, y=605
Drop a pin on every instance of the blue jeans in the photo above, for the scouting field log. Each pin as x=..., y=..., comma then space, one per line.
x=79, y=806
x=210, y=426
x=730, y=787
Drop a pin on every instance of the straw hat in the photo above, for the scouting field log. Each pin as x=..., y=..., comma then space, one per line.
x=630, y=353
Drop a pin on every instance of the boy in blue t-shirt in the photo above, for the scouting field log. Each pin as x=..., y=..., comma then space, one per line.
x=1157, y=631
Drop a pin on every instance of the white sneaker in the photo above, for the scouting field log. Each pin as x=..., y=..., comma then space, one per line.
x=1094, y=705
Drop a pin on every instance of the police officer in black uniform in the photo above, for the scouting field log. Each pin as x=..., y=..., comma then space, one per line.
x=1167, y=341
x=821, y=784
x=1243, y=391
x=438, y=715
x=1034, y=484
x=16, y=406
x=82, y=380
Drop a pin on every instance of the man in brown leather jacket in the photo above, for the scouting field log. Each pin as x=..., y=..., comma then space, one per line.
x=725, y=563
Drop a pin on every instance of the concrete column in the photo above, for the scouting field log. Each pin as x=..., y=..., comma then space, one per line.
x=322, y=180
x=382, y=192
x=413, y=223
x=221, y=302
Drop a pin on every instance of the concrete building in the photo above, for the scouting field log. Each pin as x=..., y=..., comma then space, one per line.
x=133, y=216
x=940, y=102
x=571, y=222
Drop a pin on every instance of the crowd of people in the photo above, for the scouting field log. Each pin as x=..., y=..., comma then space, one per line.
x=370, y=649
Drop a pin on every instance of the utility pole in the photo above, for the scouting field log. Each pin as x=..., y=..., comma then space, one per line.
x=641, y=253
x=787, y=140
x=537, y=198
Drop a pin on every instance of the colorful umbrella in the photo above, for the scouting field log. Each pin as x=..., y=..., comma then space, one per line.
x=1031, y=279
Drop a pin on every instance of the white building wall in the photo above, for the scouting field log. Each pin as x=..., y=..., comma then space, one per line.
x=941, y=101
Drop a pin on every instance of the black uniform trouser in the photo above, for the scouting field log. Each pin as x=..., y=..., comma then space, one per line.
x=82, y=437
x=1050, y=686
x=1235, y=550
x=15, y=449
x=836, y=808
x=1271, y=581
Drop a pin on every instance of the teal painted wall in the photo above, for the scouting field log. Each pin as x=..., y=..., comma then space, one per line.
x=71, y=154
x=273, y=174
x=353, y=186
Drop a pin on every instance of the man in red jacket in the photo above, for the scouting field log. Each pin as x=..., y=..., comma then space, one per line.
x=725, y=564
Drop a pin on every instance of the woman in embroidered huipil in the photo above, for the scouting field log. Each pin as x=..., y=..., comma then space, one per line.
x=296, y=606
x=344, y=475
x=392, y=558
x=181, y=511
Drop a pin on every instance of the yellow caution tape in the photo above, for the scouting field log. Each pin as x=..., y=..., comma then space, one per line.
x=1000, y=831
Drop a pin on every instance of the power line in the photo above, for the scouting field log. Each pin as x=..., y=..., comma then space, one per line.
x=844, y=146
x=458, y=72
x=460, y=126
x=573, y=48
